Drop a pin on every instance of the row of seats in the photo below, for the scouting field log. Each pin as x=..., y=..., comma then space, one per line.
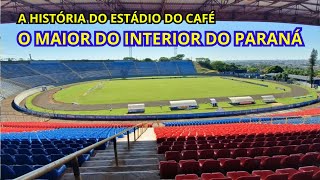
x=169, y=169
x=298, y=144
x=240, y=152
x=41, y=158
x=11, y=172
x=292, y=140
x=233, y=129
x=65, y=133
x=244, y=138
x=303, y=173
x=285, y=119
x=21, y=129
x=63, y=125
x=37, y=73
x=304, y=112
x=43, y=142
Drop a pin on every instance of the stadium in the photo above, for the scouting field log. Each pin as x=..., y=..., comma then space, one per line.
x=131, y=119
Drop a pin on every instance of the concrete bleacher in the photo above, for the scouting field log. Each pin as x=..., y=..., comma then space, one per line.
x=9, y=89
x=35, y=73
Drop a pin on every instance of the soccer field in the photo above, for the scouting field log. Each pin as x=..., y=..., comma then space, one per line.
x=148, y=90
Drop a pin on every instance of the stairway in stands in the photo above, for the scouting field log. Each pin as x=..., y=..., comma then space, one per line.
x=140, y=162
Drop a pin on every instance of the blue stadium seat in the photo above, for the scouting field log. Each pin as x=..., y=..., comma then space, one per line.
x=54, y=174
x=24, y=151
x=10, y=151
x=22, y=169
x=53, y=151
x=7, y=159
x=38, y=151
x=7, y=172
x=41, y=159
x=22, y=159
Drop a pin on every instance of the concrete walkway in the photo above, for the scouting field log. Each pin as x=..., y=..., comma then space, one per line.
x=140, y=162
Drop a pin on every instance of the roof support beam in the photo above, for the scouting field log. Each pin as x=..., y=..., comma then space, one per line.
x=163, y=7
x=5, y=4
x=34, y=6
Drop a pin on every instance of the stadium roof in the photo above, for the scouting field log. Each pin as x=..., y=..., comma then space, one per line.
x=287, y=11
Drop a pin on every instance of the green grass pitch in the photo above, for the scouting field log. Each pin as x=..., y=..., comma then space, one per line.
x=146, y=90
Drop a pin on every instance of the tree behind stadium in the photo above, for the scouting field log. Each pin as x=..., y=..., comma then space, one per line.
x=312, y=62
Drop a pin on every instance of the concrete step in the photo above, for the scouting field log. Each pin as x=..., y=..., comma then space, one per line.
x=130, y=156
x=140, y=167
x=111, y=153
x=122, y=162
x=127, y=150
x=141, y=175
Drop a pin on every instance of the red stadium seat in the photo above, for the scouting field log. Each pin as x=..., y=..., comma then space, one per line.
x=205, y=154
x=204, y=146
x=222, y=153
x=309, y=159
x=162, y=149
x=210, y=176
x=291, y=161
x=302, y=148
x=217, y=146
x=189, y=167
x=271, y=163
x=209, y=165
x=314, y=169
x=315, y=147
x=190, y=147
x=189, y=154
x=253, y=152
x=187, y=176
x=230, y=164
x=237, y=174
x=244, y=145
x=238, y=152
x=172, y=155
x=262, y=173
x=249, y=164
x=168, y=169
x=287, y=150
x=271, y=151
x=177, y=148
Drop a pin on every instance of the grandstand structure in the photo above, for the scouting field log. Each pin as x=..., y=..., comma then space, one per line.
x=18, y=76
x=287, y=11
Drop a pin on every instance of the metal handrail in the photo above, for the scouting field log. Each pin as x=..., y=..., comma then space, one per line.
x=73, y=158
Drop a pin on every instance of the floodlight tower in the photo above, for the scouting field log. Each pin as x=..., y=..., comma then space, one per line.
x=130, y=51
x=175, y=51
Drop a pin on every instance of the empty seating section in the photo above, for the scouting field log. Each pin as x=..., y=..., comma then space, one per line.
x=34, y=81
x=26, y=151
x=48, y=67
x=36, y=73
x=85, y=66
x=186, y=68
x=9, y=89
x=265, y=120
x=235, y=129
x=305, y=112
x=14, y=70
x=147, y=68
x=62, y=125
x=240, y=151
x=68, y=77
x=121, y=69
x=168, y=68
x=94, y=74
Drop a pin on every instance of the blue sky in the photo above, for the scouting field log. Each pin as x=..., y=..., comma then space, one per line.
x=10, y=48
